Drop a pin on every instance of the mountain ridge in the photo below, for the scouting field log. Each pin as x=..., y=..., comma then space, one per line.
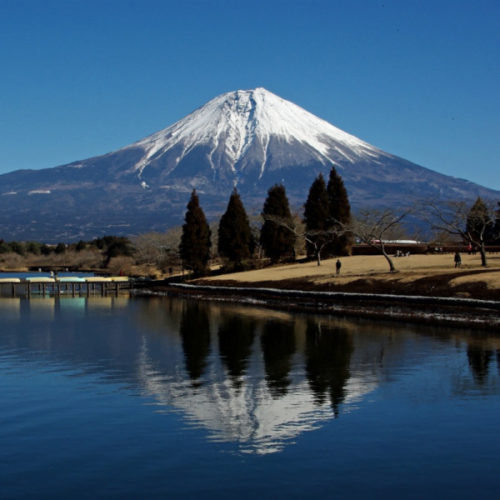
x=250, y=139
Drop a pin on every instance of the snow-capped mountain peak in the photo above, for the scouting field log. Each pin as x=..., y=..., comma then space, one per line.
x=232, y=123
x=251, y=139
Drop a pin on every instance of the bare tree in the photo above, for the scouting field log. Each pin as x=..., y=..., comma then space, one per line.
x=159, y=249
x=317, y=239
x=372, y=226
x=376, y=227
x=471, y=222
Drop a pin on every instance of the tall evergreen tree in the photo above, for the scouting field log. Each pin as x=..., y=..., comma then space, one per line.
x=339, y=211
x=496, y=229
x=195, y=241
x=236, y=242
x=277, y=241
x=316, y=215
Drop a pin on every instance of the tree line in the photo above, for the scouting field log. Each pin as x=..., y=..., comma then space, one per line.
x=326, y=209
x=325, y=228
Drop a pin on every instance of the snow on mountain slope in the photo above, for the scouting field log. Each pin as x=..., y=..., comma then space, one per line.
x=251, y=139
x=237, y=120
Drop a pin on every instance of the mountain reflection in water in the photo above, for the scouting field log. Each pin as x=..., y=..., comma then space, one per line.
x=251, y=376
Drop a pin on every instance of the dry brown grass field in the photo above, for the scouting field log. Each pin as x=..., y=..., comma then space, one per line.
x=426, y=273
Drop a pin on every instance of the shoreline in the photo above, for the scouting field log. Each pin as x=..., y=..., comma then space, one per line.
x=440, y=311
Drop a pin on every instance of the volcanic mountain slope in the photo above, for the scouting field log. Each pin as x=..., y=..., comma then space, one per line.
x=248, y=139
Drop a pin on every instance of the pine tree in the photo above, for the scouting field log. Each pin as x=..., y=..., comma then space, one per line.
x=316, y=215
x=277, y=241
x=339, y=214
x=195, y=241
x=236, y=242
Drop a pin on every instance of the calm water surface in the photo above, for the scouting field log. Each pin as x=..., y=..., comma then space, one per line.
x=118, y=398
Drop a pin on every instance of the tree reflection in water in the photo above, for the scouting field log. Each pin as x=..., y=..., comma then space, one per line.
x=236, y=336
x=479, y=362
x=195, y=334
x=328, y=357
x=278, y=346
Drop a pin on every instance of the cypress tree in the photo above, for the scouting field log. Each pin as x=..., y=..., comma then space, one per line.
x=195, y=240
x=496, y=230
x=277, y=241
x=339, y=210
x=236, y=242
x=316, y=215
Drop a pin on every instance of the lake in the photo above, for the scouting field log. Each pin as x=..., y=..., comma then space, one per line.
x=125, y=398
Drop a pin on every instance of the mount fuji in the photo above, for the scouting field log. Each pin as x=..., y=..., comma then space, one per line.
x=249, y=139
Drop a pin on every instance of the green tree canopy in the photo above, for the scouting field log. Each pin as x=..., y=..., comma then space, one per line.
x=5, y=247
x=316, y=215
x=195, y=240
x=117, y=246
x=277, y=241
x=339, y=210
x=33, y=247
x=496, y=230
x=81, y=245
x=46, y=249
x=60, y=248
x=17, y=247
x=236, y=243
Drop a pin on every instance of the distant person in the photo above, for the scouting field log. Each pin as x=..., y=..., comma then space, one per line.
x=121, y=272
x=458, y=260
x=338, y=265
x=51, y=274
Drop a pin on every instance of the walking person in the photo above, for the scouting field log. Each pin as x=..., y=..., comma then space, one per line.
x=458, y=260
x=338, y=265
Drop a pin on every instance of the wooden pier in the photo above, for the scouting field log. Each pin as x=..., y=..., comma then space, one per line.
x=66, y=285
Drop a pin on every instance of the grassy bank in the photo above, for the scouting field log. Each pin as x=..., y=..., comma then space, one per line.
x=364, y=280
x=430, y=275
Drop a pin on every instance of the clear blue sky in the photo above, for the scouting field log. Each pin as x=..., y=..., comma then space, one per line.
x=416, y=78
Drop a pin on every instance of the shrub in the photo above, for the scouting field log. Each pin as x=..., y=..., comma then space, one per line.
x=121, y=263
x=46, y=250
x=60, y=248
x=17, y=247
x=33, y=247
